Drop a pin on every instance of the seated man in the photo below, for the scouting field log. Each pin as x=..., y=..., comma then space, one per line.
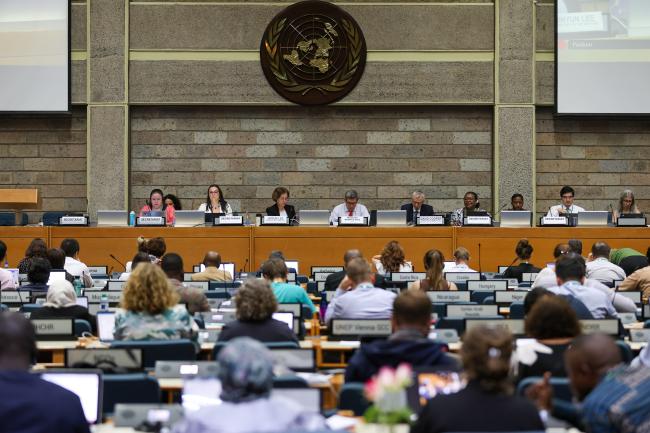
x=566, y=207
x=27, y=402
x=517, y=202
x=6, y=279
x=351, y=207
x=333, y=281
x=212, y=261
x=72, y=263
x=639, y=280
x=195, y=299
x=416, y=208
x=275, y=271
x=357, y=297
x=461, y=257
x=599, y=267
x=570, y=272
x=630, y=260
x=409, y=342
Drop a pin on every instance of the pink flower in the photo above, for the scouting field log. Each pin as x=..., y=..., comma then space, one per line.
x=403, y=375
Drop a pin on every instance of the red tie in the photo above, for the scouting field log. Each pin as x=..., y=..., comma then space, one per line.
x=349, y=213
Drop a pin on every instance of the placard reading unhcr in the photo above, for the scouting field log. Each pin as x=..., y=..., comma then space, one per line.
x=313, y=53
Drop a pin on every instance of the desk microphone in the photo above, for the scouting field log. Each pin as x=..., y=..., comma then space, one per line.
x=244, y=267
x=499, y=211
x=509, y=266
x=479, y=259
x=115, y=258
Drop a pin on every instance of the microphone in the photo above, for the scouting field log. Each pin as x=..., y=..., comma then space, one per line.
x=244, y=267
x=499, y=211
x=509, y=266
x=115, y=258
x=479, y=258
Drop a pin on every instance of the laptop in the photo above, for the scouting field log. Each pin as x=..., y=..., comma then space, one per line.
x=182, y=369
x=292, y=264
x=115, y=218
x=314, y=217
x=593, y=218
x=189, y=218
x=54, y=329
x=105, y=325
x=86, y=384
x=135, y=414
x=391, y=218
x=302, y=360
x=309, y=399
x=429, y=382
x=105, y=359
x=284, y=317
x=516, y=218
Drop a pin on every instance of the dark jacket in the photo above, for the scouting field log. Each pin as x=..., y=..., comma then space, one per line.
x=425, y=210
x=72, y=312
x=32, y=405
x=333, y=281
x=519, y=271
x=266, y=331
x=273, y=211
x=419, y=352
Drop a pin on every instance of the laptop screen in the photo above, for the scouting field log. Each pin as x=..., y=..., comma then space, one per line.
x=87, y=386
x=105, y=325
x=285, y=318
x=292, y=264
x=428, y=384
x=82, y=301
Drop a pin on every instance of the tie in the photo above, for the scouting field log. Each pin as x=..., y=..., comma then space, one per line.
x=415, y=216
x=350, y=213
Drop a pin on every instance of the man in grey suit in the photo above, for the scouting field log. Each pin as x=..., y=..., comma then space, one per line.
x=417, y=207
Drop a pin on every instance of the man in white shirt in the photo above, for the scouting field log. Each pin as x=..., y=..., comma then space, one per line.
x=351, y=207
x=461, y=256
x=600, y=268
x=6, y=278
x=75, y=267
x=567, y=207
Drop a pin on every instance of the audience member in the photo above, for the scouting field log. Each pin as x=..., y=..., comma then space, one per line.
x=333, y=280
x=580, y=310
x=281, y=207
x=172, y=200
x=523, y=250
x=256, y=303
x=481, y=406
x=6, y=278
x=409, y=342
x=567, y=195
x=37, y=248
x=416, y=208
x=517, y=202
x=351, y=207
x=359, y=299
x=38, y=275
x=599, y=267
x=546, y=277
x=434, y=265
x=56, y=257
x=533, y=296
x=195, y=300
x=150, y=310
x=630, y=260
x=626, y=205
x=248, y=405
x=575, y=246
x=275, y=271
x=140, y=257
x=61, y=302
x=72, y=263
x=215, y=202
x=461, y=257
x=156, y=206
x=212, y=261
x=27, y=402
x=391, y=259
x=470, y=204
x=156, y=247
x=639, y=280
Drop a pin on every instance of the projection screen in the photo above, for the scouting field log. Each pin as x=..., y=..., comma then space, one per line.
x=34, y=55
x=602, y=57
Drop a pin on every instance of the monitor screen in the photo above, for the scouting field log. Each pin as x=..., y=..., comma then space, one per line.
x=292, y=264
x=85, y=385
x=56, y=276
x=285, y=318
x=201, y=392
x=82, y=301
x=105, y=325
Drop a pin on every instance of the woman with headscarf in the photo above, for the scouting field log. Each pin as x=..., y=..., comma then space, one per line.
x=61, y=301
x=246, y=375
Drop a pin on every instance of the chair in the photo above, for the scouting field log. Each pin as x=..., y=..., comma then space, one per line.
x=9, y=219
x=353, y=399
x=488, y=300
x=560, y=385
x=479, y=296
x=30, y=308
x=3, y=307
x=271, y=345
x=312, y=287
x=301, y=279
x=440, y=309
x=456, y=323
x=52, y=218
x=129, y=388
x=289, y=381
x=626, y=351
x=160, y=350
x=81, y=326
x=646, y=324
x=517, y=310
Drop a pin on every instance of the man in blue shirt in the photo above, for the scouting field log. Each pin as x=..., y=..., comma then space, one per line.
x=275, y=271
x=29, y=404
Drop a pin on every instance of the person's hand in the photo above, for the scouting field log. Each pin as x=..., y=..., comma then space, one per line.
x=561, y=211
x=541, y=393
x=376, y=257
x=346, y=284
x=590, y=257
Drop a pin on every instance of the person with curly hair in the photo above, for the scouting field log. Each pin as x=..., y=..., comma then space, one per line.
x=391, y=259
x=37, y=249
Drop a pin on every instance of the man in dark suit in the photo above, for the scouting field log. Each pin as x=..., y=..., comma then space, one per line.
x=416, y=208
x=333, y=281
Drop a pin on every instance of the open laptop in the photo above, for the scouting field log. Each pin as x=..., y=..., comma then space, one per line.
x=105, y=325
x=516, y=218
x=115, y=218
x=105, y=359
x=303, y=360
x=429, y=382
x=189, y=218
x=86, y=384
x=391, y=218
x=314, y=217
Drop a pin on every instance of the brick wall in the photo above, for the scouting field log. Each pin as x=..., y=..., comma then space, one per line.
x=598, y=157
x=48, y=153
x=318, y=153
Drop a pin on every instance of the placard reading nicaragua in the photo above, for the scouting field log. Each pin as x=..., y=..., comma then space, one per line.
x=313, y=53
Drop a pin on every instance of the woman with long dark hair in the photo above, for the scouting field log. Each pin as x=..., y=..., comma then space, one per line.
x=215, y=202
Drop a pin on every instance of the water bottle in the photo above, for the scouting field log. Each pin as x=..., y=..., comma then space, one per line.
x=132, y=219
x=77, y=286
x=6, y=263
x=247, y=219
x=103, y=302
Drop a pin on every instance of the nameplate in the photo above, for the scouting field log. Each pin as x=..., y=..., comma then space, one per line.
x=125, y=358
x=14, y=297
x=95, y=296
x=431, y=220
x=460, y=277
x=510, y=296
x=116, y=285
x=515, y=326
x=513, y=282
x=150, y=221
x=209, y=335
x=321, y=286
x=445, y=336
x=606, y=326
x=326, y=269
x=632, y=222
x=627, y=318
x=52, y=326
x=446, y=296
x=529, y=276
x=229, y=220
x=353, y=221
x=275, y=220
x=640, y=335
x=407, y=276
x=487, y=285
x=582, y=22
x=555, y=221
x=634, y=296
x=98, y=270
x=73, y=221
x=294, y=308
x=200, y=285
x=472, y=311
x=361, y=327
x=329, y=295
x=476, y=220
x=321, y=276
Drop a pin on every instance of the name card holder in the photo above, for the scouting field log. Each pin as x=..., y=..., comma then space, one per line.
x=54, y=329
x=472, y=311
x=360, y=327
x=274, y=220
x=606, y=326
x=402, y=277
x=640, y=335
x=73, y=221
x=203, y=286
x=321, y=276
x=95, y=296
x=150, y=221
x=475, y=220
x=510, y=296
x=444, y=336
x=627, y=318
x=326, y=269
x=448, y=296
x=430, y=220
x=632, y=222
x=515, y=326
x=487, y=285
x=116, y=285
x=353, y=221
x=229, y=220
x=558, y=221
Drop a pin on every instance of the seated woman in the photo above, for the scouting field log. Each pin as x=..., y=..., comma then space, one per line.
x=256, y=303
x=37, y=248
x=626, y=205
x=391, y=259
x=172, y=200
x=554, y=324
x=523, y=250
x=214, y=202
x=470, y=204
x=434, y=264
x=150, y=310
x=281, y=196
x=481, y=405
x=156, y=207
x=61, y=302
x=246, y=375
x=140, y=257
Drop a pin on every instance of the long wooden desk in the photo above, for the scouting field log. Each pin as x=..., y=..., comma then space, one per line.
x=248, y=247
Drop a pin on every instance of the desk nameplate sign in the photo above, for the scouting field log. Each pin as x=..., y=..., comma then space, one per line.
x=326, y=269
x=441, y=296
x=508, y=297
x=14, y=297
x=445, y=336
x=272, y=220
x=431, y=220
x=229, y=220
x=606, y=326
x=150, y=221
x=321, y=276
x=460, y=277
x=635, y=296
x=472, y=311
x=321, y=286
x=555, y=221
x=640, y=335
x=116, y=285
x=69, y=220
x=95, y=296
x=515, y=326
x=377, y=327
x=627, y=318
x=407, y=276
x=632, y=222
x=487, y=285
x=476, y=220
x=353, y=221
x=45, y=327
x=201, y=285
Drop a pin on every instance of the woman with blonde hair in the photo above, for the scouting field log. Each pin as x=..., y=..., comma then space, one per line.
x=391, y=259
x=150, y=309
x=434, y=264
x=626, y=205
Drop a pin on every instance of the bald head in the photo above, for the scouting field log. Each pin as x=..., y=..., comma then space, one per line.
x=587, y=359
x=18, y=342
x=351, y=254
x=212, y=258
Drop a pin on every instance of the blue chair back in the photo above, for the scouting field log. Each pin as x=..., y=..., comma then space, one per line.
x=517, y=310
x=353, y=399
x=52, y=218
x=129, y=388
x=9, y=219
x=479, y=296
x=81, y=326
x=30, y=308
x=289, y=381
x=626, y=351
x=271, y=345
x=560, y=385
x=312, y=287
x=160, y=350
x=456, y=323
x=301, y=279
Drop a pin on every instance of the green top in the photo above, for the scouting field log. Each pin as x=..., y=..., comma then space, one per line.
x=616, y=256
x=290, y=293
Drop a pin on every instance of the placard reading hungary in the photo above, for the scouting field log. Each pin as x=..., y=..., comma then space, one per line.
x=313, y=53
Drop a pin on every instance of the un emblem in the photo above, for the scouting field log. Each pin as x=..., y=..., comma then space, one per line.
x=313, y=53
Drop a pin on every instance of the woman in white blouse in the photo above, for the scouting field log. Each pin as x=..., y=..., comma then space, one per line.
x=215, y=203
x=391, y=259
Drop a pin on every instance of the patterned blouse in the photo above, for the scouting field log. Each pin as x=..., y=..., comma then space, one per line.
x=172, y=324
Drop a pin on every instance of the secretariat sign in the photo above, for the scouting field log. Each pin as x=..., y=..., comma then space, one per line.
x=313, y=53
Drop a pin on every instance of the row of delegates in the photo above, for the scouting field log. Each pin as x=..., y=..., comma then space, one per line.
x=626, y=204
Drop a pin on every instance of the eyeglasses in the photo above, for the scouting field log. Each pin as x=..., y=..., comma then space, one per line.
x=567, y=196
x=214, y=192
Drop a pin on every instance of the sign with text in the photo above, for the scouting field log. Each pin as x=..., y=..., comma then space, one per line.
x=370, y=327
x=73, y=220
x=326, y=269
x=554, y=221
x=229, y=220
x=273, y=220
x=44, y=327
x=98, y=270
x=95, y=296
x=115, y=285
x=476, y=220
x=487, y=285
x=446, y=296
x=321, y=276
x=606, y=326
x=529, y=276
x=461, y=277
x=15, y=297
x=150, y=221
x=407, y=276
x=515, y=326
x=200, y=285
x=472, y=311
x=444, y=336
x=511, y=296
x=353, y=221
x=431, y=220
x=640, y=335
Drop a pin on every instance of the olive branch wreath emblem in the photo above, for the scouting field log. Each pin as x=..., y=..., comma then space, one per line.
x=339, y=81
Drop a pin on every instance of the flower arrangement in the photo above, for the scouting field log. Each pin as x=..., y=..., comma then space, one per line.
x=387, y=391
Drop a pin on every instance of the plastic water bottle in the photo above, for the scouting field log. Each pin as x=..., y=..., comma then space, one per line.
x=103, y=302
x=6, y=263
x=77, y=286
x=132, y=219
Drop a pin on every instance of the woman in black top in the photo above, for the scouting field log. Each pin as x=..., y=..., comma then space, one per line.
x=37, y=248
x=523, y=250
x=487, y=403
x=61, y=302
x=281, y=196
